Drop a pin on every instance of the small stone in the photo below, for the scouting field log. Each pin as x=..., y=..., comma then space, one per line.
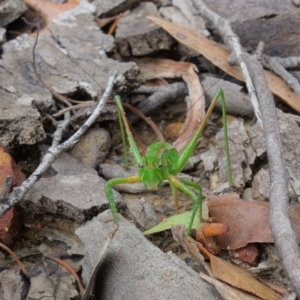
x=248, y=254
x=142, y=212
x=93, y=147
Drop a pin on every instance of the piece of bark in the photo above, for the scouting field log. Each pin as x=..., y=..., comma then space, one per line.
x=10, y=225
x=137, y=36
x=142, y=212
x=11, y=10
x=280, y=34
x=76, y=191
x=239, y=152
x=290, y=135
x=106, y=8
x=261, y=185
x=241, y=11
x=20, y=121
x=93, y=147
x=135, y=267
x=12, y=285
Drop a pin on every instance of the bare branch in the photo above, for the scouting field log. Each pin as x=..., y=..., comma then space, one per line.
x=232, y=41
x=55, y=150
x=284, y=236
x=278, y=65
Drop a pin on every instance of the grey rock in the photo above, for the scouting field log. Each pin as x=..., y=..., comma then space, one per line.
x=134, y=268
x=20, y=121
x=138, y=36
x=142, y=212
x=75, y=33
x=76, y=191
x=10, y=10
x=237, y=102
x=93, y=147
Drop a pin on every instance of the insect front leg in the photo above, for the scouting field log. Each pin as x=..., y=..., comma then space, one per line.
x=184, y=186
x=109, y=192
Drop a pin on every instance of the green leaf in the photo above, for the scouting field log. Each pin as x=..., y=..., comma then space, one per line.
x=181, y=219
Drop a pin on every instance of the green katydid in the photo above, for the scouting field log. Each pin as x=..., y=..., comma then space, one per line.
x=162, y=162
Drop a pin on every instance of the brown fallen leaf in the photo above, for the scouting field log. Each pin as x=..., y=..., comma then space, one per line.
x=248, y=221
x=218, y=55
x=165, y=68
x=240, y=278
x=228, y=292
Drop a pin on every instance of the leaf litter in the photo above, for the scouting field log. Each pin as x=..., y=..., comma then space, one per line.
x=219, y=268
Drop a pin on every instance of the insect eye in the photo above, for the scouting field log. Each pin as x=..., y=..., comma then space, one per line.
x=141, y=165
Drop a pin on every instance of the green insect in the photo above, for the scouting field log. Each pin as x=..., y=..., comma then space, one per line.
x=162, y=162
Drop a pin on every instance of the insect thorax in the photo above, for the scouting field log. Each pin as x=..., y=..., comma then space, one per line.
x=159, y=162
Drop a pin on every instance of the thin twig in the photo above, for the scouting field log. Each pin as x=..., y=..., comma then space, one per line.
x=278, y=65
x=33, y=63
x=70, y=269
x=55, y=150
x=15, y=257
x=133, y=109
x=284, y=236
x=6, y=188
x=232, y=41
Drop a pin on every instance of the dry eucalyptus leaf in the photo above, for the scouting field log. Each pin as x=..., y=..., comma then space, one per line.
x=218, y=55
x=240, y=278
x=248, y=221
x=165, y=68
x=228, y=292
